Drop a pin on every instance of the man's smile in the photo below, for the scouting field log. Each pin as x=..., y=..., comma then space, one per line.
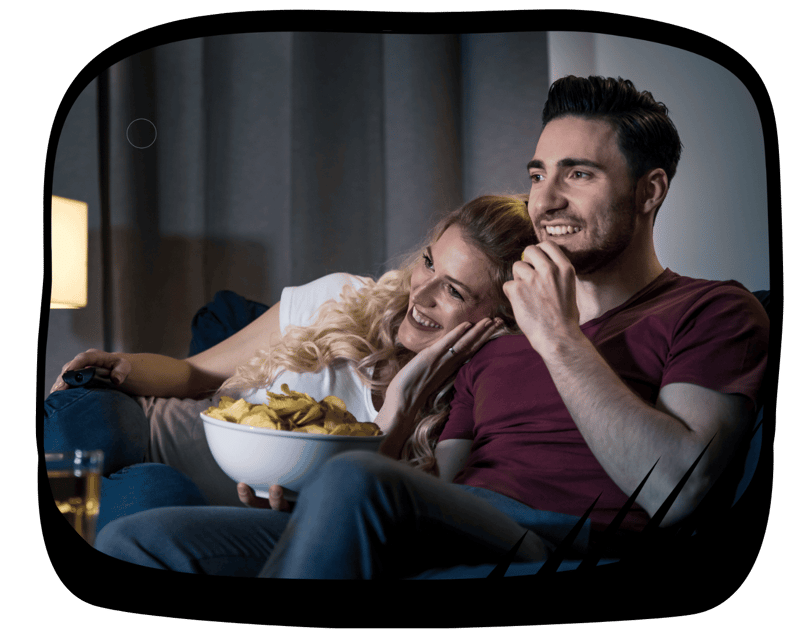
x=560, y=230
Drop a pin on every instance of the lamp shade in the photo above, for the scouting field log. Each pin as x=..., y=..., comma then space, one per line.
x=68, y=253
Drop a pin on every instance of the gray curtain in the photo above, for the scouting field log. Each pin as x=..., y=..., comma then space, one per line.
x=256, y=161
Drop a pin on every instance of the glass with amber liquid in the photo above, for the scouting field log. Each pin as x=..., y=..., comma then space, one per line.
x=75, y=480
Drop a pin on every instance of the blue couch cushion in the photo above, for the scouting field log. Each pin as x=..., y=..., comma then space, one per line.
x=222, y=317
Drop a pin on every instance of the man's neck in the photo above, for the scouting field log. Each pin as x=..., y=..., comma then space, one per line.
x=613, y=285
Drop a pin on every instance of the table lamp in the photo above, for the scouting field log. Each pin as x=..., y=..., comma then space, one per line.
x=68, y=253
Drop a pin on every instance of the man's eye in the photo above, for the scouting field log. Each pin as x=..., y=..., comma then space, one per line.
x=580, y=174
x=536, y=178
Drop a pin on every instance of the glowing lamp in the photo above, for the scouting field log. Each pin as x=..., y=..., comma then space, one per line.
x=68, y=253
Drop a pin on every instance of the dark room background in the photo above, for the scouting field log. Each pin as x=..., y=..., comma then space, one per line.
x=276, y=158
x=255, y=161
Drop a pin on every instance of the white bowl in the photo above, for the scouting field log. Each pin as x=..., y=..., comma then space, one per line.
x=261, y=457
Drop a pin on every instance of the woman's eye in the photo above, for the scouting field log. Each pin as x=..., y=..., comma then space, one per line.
x=454, y=293
x=428, y=262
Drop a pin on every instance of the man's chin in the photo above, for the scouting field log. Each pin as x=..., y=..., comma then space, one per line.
x=585, y=264
x=587, y=261
x=580, y=260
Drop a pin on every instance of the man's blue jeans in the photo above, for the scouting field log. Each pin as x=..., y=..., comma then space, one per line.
x=363, y=516
x=115, y=423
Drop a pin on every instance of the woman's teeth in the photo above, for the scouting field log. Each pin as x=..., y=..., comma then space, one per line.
x=422, y=320
x=558, y=230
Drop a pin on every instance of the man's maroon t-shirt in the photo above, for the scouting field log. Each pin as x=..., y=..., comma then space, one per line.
x=526, y=445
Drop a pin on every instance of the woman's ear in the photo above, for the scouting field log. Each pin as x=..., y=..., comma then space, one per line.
x=651, y=190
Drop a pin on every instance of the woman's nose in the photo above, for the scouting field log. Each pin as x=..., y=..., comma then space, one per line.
x=423, y=293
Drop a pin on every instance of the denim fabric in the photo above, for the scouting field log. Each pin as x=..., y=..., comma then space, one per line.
x=385, y=519
x=553, y=527
x=113, y=422
x=363, y=516
x=215, y=540
x=103, y=419
x=144, y=487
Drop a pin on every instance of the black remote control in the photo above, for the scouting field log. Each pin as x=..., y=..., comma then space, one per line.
x=88, y=377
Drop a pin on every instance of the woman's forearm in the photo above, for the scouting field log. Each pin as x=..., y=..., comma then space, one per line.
x=161, y=376
x=397, y=423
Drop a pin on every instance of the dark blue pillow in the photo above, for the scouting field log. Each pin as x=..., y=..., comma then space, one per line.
x=764, y=298
x=222, y=317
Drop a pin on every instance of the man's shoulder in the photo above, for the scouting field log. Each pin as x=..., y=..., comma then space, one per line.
x=672, y=281
x=676, y=304
x=694, y=292
x=506, y=354
x=683, y=304
x=514, y=343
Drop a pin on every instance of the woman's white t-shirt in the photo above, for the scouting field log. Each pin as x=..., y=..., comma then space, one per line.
x=298, y=306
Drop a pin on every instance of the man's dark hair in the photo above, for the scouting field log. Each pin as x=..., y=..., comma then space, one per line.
x=646, y=135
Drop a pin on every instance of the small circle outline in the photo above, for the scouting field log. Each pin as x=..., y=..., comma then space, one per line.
x=154, y=127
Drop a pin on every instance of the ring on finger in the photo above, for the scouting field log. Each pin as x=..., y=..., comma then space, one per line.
x=451, y=351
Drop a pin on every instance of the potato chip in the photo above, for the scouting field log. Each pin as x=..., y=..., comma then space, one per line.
x=288, y=406
x=335, y=414
x=333, y=402
x=357, y=429
x=367, y=428
x=263, y=410
x=236, y=411
x=261, y=420
x=312, y=428
x=306, y=416
x=341, y=429
x=294, y=411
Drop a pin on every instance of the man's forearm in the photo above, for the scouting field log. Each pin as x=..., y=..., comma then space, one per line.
x=626, y=435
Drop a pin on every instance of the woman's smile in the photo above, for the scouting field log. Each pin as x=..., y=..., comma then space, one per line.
x=422, y=321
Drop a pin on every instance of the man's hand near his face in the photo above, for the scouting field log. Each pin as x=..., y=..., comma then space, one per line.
x=542, y=295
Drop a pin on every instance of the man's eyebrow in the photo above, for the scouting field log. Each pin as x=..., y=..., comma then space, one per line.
x=566, y=163
x=571, y=163
x=454, y=280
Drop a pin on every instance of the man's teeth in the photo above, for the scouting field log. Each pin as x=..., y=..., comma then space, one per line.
x=557, y=230
x=422, y=320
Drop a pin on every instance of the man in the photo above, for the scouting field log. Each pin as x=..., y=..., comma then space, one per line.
x=622, y=365
x=644, y=361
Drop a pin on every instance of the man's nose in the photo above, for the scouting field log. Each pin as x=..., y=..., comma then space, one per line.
x=547, y=198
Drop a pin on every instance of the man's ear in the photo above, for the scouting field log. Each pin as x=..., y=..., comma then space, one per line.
x=651, y=190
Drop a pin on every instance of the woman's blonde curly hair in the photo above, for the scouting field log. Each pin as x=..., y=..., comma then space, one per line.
x=361, y=327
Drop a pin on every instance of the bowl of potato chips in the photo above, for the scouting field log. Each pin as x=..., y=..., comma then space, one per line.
x=284, y=440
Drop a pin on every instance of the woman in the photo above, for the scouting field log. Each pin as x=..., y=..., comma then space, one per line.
x=388, y=348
